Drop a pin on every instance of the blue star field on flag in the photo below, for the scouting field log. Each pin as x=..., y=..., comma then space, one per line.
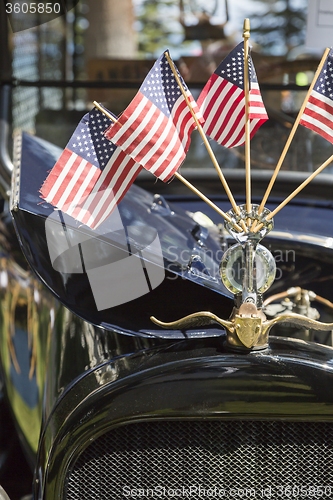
x=232, y=68
x=89, y=142
x=222, y=101
x=161, y=87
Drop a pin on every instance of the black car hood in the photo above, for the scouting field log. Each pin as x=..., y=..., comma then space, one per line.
x=147, y=258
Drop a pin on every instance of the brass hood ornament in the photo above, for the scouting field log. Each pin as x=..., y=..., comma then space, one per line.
x=247, y=270
x=244, y=331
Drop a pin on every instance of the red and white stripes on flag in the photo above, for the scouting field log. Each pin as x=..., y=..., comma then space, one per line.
x=85, y=192
x=158, y=143
x=155, y=128
x=223, y=111
x=222, y=101
x=318, y=112
x=318, y=115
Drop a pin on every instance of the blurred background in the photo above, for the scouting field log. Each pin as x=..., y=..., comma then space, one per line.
x=102, y=49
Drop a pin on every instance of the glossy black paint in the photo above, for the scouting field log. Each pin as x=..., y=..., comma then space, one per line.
x=72, y=372
x=188, y=379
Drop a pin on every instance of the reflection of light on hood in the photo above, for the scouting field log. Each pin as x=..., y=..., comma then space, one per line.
x=306, y=238
x=230, y=369
x=36, y=296
x=329, y=242
x=282, y=234
x=52, y=317
x=3, y=279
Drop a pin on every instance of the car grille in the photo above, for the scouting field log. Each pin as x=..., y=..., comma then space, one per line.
x=206, y=458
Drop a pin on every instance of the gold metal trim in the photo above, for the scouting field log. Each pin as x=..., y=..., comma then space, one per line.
x=247, y=327
x=202, y=318
x=15, y=187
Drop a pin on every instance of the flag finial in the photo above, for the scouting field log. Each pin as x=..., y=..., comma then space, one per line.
x=246, y=36
x=246, y=28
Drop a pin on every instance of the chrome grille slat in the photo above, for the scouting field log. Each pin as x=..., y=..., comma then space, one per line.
x=210, y=453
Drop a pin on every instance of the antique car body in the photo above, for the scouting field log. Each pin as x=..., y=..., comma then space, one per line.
x=109, y=405
x=105, y=403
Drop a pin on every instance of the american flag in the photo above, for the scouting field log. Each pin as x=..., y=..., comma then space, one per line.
x=222, y=101
x=92, y=175
x=318, y=112
x=155, y=128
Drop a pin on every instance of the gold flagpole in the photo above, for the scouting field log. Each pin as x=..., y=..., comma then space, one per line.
x=106, y=112
x=246, y=36
x=180, y=177
x=207, y=200
x=294, y=193
x=291, y=136
x=205, y=140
